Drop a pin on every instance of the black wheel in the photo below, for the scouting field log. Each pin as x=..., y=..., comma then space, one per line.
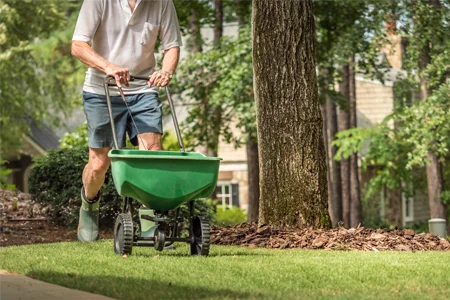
x=123, y=234
x=200, y=236
x=160, y=239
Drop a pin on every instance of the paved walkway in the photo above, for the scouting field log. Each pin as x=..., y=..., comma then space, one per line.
x=19, y=287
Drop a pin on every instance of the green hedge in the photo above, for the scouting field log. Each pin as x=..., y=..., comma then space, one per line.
x=229, y=217
x=56, y=180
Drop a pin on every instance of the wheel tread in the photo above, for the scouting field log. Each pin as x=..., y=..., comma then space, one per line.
x=128, y=233
x=205, y=237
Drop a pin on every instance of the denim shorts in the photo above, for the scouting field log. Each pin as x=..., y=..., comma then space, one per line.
x=146, y=110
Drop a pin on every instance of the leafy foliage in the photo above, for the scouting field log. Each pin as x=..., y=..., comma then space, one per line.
x=34, y=62
x=400, y=144
x=224, y=77
x=229, y=217
x=78, y=138
x=56, y=180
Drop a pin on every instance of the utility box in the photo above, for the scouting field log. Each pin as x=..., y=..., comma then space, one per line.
x=438, y=227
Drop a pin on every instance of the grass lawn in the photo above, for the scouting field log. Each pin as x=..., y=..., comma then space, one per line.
x=234, y=272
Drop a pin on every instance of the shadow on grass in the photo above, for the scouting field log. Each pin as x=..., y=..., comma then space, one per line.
x=123, y=287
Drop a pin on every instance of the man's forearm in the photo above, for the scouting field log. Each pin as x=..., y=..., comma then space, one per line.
x=88, y=56
x=170, y=61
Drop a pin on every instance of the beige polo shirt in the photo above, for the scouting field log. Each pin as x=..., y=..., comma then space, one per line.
x=126, y=39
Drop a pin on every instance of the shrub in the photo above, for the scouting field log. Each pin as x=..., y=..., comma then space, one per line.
x=229, y=217
x=56, y=180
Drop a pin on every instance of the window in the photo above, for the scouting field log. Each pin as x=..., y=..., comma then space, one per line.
x=228, y=194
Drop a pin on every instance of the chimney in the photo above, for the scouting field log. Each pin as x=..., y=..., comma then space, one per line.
x=391, y=24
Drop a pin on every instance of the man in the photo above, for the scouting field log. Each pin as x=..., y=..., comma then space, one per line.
x=117, y=38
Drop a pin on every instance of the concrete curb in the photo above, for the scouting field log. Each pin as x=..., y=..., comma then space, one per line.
x=19, y=287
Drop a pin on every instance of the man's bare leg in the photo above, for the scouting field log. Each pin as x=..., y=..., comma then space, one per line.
x=149, y=141
x=95, y=170
x=93, y=177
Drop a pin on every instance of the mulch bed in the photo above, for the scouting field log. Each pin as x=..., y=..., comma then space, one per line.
x=24, y=222
x=33, y=232
x=38, y=232
x=360, y=238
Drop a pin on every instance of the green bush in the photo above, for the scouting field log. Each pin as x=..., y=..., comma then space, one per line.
x=229, y=217
x=56, y=180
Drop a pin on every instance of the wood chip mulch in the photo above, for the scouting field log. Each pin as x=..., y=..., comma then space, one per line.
x=365, y=239
x=24, y=222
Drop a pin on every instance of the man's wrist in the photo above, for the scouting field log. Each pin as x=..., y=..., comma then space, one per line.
x=168, y=74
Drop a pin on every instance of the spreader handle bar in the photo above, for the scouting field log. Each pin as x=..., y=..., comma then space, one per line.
x=108, y=102
x=169, y=98
x=175, y=121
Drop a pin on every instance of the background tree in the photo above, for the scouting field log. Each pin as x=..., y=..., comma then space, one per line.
x=33, y=68
x=344, y=29
x=418, y=142
x=292, y=154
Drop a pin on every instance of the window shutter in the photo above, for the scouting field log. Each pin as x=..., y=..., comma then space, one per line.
x=235, y=194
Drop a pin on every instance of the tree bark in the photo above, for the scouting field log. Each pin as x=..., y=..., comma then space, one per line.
x=196, y=41
x=334, y=179
x=393, y=205
x=253, y=179
x=344, y=124
x=355, y=192
x=292, y=151
x=435, y=187
x=327, y=151
x=214, y=132
x=218, y=25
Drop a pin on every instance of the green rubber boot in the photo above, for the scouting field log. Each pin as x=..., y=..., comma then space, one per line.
x=88, y=222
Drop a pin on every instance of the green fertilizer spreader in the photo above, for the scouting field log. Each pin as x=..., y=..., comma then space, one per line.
x=162, y=181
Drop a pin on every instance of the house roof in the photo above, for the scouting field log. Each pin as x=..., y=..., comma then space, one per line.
x=43, y=136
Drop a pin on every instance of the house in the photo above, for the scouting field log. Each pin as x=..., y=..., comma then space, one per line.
x=40, y=139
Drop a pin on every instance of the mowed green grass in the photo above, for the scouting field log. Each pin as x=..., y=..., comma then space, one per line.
x=234, y=272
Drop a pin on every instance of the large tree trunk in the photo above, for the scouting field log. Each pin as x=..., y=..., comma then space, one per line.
x=344, y=124
x=291, y=147
x=253, y=179
x=335, y=167
x=355, y=194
